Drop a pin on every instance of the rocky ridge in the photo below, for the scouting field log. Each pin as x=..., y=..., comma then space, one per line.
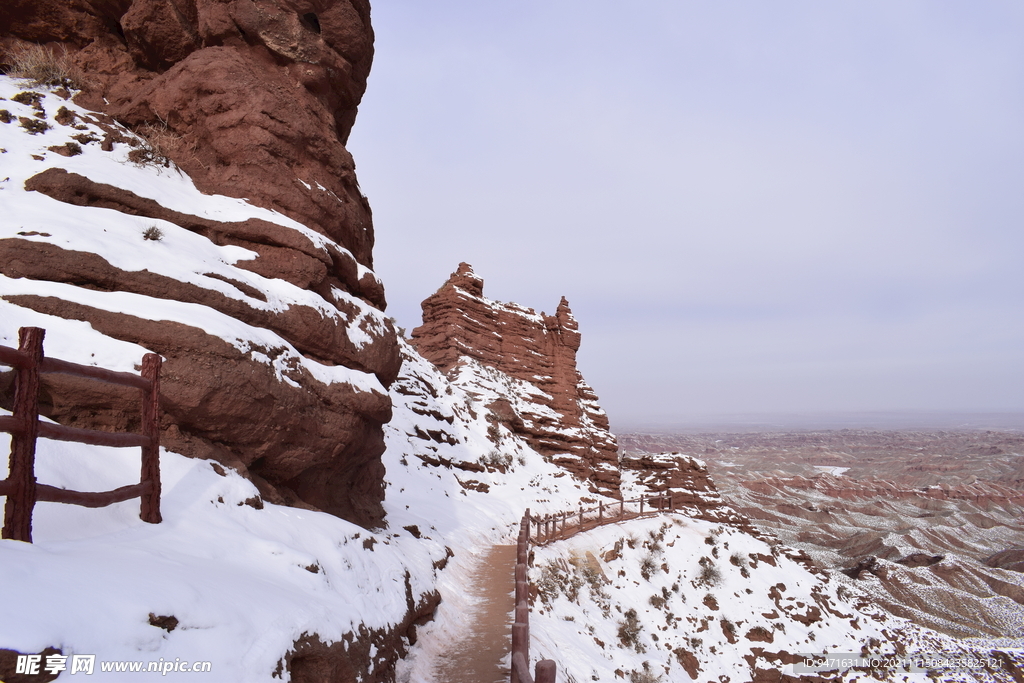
x=687, y=479
x=469, y=337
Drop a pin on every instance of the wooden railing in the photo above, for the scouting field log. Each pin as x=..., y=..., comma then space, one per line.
x=545, y=671
x=557, y=527
x=562, y=525
x=23, y=425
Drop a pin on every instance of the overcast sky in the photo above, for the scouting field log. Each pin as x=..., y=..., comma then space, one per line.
x=752, y=207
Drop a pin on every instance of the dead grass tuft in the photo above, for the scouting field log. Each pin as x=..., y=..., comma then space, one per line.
x=42, y=66
x=154, y=145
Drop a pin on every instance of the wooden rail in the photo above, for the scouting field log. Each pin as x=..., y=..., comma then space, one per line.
x=20, y=488
x=562, y=525
x=557, y=527
x=545, y=671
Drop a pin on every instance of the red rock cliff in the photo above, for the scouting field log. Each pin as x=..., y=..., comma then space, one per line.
x=563, y=419
x=253, y=99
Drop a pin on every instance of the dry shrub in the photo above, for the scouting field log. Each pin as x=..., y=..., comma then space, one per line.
x=709, y=574
x=648, y=566
x=43, y=66
x=153, y=233
x=555, y=580
x=629, y=631
x=645, y=676
x=154, y=145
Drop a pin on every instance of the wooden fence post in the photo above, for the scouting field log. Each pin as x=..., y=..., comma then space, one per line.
x=522, y=612
x=600, y=513
x=671, y=503
x=622, y=507
x=21, y=498
x=545, y=671
x=150, y=501
x=521, y=640
x=581, y=516
x=641, y=505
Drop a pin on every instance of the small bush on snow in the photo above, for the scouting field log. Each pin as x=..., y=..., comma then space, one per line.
x=153, y=145
x=709, y=574
x=494, y=433
x=554, y=580
x=629, y=631
x=648, y=566
x=589, y=573
x=153, y=233
x=497, y=460
x=645, y=676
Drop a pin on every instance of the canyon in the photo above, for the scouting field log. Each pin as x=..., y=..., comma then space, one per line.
x=930, y=520
x=184, y=188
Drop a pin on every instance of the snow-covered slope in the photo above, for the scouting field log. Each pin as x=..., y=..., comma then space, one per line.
x=677, y=599
x=258, y=317
x=244, y=579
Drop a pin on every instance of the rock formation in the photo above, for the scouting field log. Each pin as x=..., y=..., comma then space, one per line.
x=688, y=481
x=252, y=99
x=561, y=418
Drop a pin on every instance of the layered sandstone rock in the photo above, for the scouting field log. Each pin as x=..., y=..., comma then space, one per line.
x=686, y=479
x=560, y=416
x=252, y=99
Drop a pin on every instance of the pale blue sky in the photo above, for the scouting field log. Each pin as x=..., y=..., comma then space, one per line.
x=751, y=207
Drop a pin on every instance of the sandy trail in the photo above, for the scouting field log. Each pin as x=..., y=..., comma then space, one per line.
x=477, y=657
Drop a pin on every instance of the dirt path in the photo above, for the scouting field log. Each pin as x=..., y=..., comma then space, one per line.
x=477, y=657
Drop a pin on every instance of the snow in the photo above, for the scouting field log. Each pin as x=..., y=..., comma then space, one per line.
x=589, y=583
x=830, y=469
x=468, y=520
x=235, y=577
x=71, y=340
